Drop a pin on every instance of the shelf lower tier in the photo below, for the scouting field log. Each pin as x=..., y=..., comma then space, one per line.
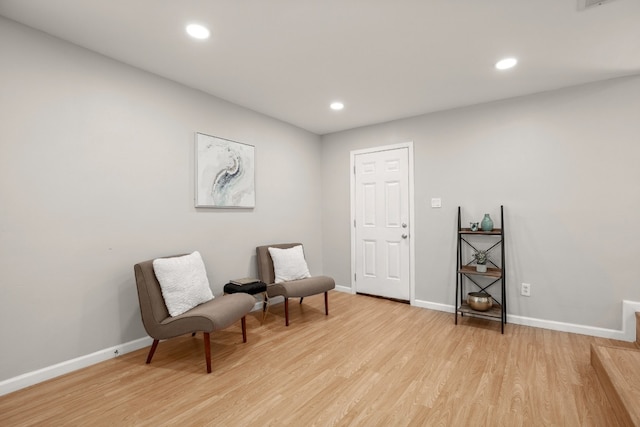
x=494, y=312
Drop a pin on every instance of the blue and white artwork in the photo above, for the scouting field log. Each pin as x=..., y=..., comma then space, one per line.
x=225, y=176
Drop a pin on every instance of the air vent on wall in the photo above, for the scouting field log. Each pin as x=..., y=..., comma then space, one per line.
x=587, y=4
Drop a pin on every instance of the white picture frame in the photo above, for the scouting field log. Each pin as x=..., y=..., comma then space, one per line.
x=225, y=173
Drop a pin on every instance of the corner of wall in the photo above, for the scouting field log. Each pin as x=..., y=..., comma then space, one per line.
x=628, y=332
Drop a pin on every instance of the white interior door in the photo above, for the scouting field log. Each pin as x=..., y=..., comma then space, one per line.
x=381, y=222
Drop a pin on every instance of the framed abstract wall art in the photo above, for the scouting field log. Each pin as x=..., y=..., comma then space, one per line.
x=225, y=173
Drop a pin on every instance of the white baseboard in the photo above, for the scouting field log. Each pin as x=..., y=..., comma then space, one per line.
x=433, y=306
x=346, y=289
x=30, y=378
x=628, y=332
x=629, y=310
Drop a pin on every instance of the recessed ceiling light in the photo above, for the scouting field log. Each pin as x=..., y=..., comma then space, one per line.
x=506, y=63
x=198, y=31
x=337, y=106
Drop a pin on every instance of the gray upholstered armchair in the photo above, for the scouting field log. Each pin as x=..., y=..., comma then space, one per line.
x=299, y=288
x=207, y=317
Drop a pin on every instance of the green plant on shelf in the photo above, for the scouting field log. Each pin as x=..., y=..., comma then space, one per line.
x=481, y=257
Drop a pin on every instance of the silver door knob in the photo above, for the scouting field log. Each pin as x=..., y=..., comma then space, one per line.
x=404, y=236
x=404, y=225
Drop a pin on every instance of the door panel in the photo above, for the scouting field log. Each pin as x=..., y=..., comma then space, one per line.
x=369, y=207
x=369, y=267
x=392, y=204
x=394, y=265
x=382, y=223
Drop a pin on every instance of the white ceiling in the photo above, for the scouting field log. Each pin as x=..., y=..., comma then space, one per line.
x=385, y=59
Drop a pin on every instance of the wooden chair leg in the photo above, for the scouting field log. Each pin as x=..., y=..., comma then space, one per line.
x=326, y=303
x=244, y=328
x=265, y=305
x=286, y=311
x=152, y=350
x=207, y=351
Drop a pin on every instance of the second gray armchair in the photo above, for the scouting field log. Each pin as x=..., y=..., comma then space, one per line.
x=299, y=288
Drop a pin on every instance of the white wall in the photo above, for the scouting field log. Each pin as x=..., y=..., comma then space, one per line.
x=96, y=174
x=565, y=166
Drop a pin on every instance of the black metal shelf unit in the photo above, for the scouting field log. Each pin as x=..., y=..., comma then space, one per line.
x=470, y=280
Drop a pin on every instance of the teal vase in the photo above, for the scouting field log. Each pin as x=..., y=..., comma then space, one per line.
x=487, y=223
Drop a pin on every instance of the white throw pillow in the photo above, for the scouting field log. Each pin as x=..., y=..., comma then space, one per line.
x=289, y=264
x=183, y=281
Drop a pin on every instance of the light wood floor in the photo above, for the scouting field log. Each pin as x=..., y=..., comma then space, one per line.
x=371, y=362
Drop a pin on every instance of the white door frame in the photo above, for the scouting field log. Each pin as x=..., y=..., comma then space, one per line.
x=412, y=224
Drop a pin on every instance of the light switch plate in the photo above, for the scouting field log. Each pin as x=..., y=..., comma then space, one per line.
x=436, y=202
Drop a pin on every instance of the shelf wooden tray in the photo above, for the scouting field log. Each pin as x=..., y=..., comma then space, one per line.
x=495, y=231
x=494, y=312
x=471, y=269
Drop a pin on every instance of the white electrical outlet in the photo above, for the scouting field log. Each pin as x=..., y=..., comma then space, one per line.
x=525, y=290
